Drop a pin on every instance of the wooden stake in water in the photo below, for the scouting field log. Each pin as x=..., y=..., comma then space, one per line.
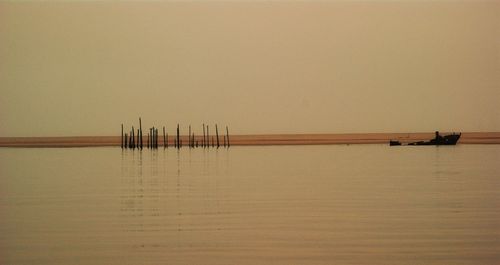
x=164, y=139
x=217, y=135
x=203, y=141
x=150, y=137
x=140, y=131
x=153, y=138
x=125, y=142
x=189, y=136
x=138, y=141
x=130, y=140
x=227, y=134
x=224, y=141
x=156, y=143
x=208, y=136
x=132, y=137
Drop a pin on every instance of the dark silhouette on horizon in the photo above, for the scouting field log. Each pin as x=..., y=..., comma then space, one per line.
x=450, y=139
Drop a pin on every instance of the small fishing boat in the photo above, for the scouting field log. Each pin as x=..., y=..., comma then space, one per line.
x=450, y=139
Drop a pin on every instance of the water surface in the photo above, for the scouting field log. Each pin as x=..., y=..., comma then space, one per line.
x=338, y=204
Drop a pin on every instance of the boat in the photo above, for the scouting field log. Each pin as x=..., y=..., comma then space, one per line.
x=392, y=143
x=450, y=139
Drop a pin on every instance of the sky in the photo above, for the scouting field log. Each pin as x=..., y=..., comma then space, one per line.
x=83, y=68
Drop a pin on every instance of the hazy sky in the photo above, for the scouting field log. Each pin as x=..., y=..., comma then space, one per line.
x=261, y=67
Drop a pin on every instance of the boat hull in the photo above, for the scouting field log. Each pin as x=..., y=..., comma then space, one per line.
x=451, y=139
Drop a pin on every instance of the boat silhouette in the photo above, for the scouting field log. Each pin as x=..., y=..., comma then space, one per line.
x=450, y=139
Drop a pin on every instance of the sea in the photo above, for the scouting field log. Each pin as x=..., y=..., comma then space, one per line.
x=314, y=204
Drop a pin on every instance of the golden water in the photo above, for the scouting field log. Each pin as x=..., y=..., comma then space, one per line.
x=357, y=204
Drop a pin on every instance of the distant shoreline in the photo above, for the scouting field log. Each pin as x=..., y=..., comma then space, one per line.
x=261, y=139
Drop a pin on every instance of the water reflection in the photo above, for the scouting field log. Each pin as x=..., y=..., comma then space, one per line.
x=190, y=201
x=165, y=195
x=251, y=205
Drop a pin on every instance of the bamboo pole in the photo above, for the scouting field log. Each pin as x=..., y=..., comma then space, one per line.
x=150, y=139
x=208, y=136
x=189, y=136
x=132, y=138
x=156, y=141
x=217, y=135
x=203, y=141
x=164, y=139
x=140, y=131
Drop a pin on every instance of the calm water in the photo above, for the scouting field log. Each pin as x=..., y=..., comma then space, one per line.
x=357, y=204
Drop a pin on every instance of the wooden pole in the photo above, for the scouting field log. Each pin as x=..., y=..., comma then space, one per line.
x=150, y=139
x=155, y=131
x=227, y=134
x=156, y=143
x=217, y=135
x=125, y=142
x=140, y=131
x=203, y=141
x=208, y=136
x=132, y=138
x=189, y=136
x=164, y=139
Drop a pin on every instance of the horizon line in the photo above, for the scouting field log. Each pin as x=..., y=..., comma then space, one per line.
x=254, y=139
